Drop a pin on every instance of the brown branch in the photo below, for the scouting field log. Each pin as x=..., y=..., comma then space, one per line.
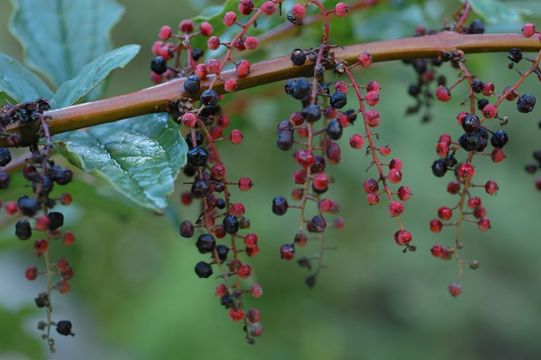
x=157, y=98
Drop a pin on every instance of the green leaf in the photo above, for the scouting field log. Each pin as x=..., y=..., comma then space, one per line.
x=59, y=37
x=140, y=157
x=19, y=83
x=92, y=74
x=495, y=11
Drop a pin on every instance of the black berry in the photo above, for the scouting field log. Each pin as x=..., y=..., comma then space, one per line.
x=158, y=65
x=192, y=85
x=334, y=130
x=28, y=206
x=63, y=327
x=231, y=224
x=197, y=156
x=439, y=168
x=338, y=100
x=499, y=139
x=23, y=230
x=298, y=57
x=205, y=243
x=311, y=113
x=526, y=103
x=5, y=156
x=279, y=205
x=56, y=220
x=186, y=229
x=209, y=98
x=203, y=269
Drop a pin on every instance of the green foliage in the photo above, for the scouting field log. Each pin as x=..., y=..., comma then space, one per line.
x=61, y=36
x=140, y=157
x=19, y=83
x=92, y=74
x=495, y=11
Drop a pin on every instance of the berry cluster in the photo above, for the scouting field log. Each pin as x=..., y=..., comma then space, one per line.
x=205, y=124
x=34, y=214
x=426, y=69
x=483, y=102
x=322, y=117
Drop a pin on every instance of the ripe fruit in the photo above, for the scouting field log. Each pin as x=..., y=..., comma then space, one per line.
x=203, y=269
x=158, y=65
x=526, y=103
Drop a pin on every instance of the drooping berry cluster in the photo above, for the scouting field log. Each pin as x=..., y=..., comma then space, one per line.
x=476, y=123
x=35, y=215
x=322, y=117
x=200, y=114
x=426, y=69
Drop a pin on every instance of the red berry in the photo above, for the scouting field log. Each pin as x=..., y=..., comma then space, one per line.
x=497, y=155
x=325, y=205
x=229, y=18
x=213, y=42
x=491, y=187
x=243, y=68
x=297, y=12
x=465, y=170
x=206, y=28
x=165, y=32
x=474, y=202
x=443, y=93
x=244, y=271
x=453, y=187
x=402, y=237
x=320, y=182
x=442, y=149
x=11, y=208
x=245, y=7
x=365, y=59
x=396, y=208
x=287, y=251
x=236, y=314
x=396, y=164
x=435, y=225
x=385, y=150
x=236, y=136
x=62, y=264
x=488, y=88
x=230, y=85
x=268, y=8
x=484, y=224
x=455, y=289
x=201, y=71
x=250, y=240
x=341, y=86
x=156, y=47
x=394, y=176
x=213, y=66
x=31, y=273
x=189, y=120
x=250, y=42
x=342, y=9
x=445, y=213
x=305, y=158
x=372, y=198
x=356, y=141
x=370, y=185
x=490, y=111
x=253, y=315
x=69, y=238
x=42, y=223
x=221, y=290
x=528, y=30
x=245, y=183
x=41, y=246
x=256, y=290
x=186, y=26
x=299, y=176
x=404, y=193
x=63, y=286
x=437, y=250
x=65, y=199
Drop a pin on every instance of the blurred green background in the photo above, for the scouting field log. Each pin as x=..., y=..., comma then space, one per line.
x=135, y=295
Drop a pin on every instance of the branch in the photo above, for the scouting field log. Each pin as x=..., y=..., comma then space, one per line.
x=158, y=98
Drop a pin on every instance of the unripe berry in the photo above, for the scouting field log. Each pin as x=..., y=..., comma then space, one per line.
x=370, y=185
x=320, y=182
x=296, y=14
x=206, y=28
x=491, y=187
x=243, y=68
x=365, y=59
x=394, y=176
x=256, y=291
x=372, y=118
x=236, y=314
x=186, y=26
x=31, y=273
x=443, y=93
x=396, y=208
x=484, y=224
x=244, y=271
x=497, y=155
x=455, y=289
x=404, y=193
x=189, y=120
x=213, y=42
x=229, y=18
x=342, y=9
x=372, y=98
x=246, y=7
x=445, y=213
x=465, y=170
x=236, y=136
x=528, y=30
x=372, y=198
x=245, y=184
x=250, y=42
x=165, y=32
x=402, y=237
x=356, y=141
x=435, y=225
x=305, y=158
x=453, y=187
x=490, y=111
x=268, y=8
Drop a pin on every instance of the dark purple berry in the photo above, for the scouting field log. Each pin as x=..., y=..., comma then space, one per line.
x=56, y=220
x=338, y=100
x=209, y=98
x=231, y=224
x=203, y=269
x=515, y=55
x=186, y=229
x=23, y=230
x=28, y=206
x=526, y=103
x=279, y=205
x=205, y=243
x=334, y=130
x=499, y=139
x=222, y=251
x=311, y=113
x=439, y=168
x=192, y=85
x=63, y=327
x=158, y=65
x=298, y=57
x=197, y=156
x=5, y=156
x=470, y=123
x=317, y=224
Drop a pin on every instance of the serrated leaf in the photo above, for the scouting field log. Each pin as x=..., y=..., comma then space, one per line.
x=140, y=157
x=59, y=37
x=495, y=11
x=92, y=74
x=19, y=83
